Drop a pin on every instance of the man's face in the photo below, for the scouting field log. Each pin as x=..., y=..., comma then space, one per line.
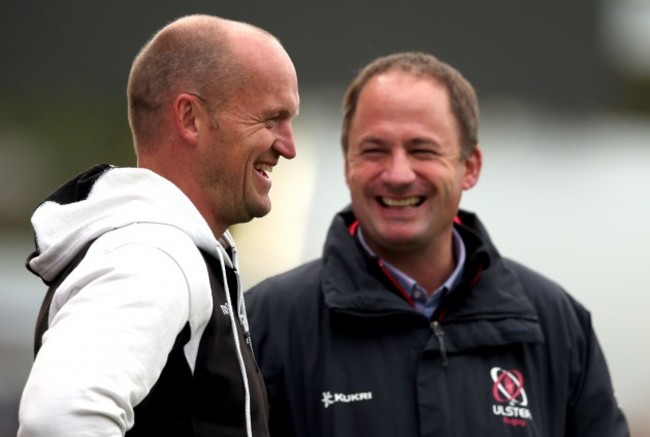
x=404, y=166
x=249, y=133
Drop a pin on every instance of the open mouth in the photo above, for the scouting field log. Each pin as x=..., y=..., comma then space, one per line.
x=406, y=202
x=264, y=169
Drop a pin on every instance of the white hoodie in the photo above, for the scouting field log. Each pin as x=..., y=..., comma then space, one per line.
x=114, y=319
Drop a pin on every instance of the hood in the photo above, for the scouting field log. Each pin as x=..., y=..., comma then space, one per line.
x=105, y=198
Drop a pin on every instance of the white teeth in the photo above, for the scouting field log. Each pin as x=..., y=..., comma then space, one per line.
x=400, y=203
x=264, y=167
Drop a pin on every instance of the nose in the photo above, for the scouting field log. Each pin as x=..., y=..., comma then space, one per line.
x=399, y=169
x=284, y=144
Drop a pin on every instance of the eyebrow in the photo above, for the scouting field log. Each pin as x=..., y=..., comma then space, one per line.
x=280, y=113
x=373, y=140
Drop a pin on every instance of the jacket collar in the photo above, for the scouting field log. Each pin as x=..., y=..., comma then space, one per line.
x=490, y=296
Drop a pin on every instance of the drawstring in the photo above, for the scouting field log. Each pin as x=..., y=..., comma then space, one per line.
x=240, y=358
x=241, y=305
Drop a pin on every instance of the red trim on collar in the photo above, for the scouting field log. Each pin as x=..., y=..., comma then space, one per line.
x=392, y=279
x=476, y=277
x=352, y=229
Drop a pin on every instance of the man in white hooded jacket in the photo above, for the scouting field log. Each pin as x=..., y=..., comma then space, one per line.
x=143, y=330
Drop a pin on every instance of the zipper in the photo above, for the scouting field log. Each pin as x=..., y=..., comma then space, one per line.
x=440, y=335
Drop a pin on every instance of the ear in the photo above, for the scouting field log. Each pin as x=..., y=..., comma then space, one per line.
x=473, y=165
x=187, y=116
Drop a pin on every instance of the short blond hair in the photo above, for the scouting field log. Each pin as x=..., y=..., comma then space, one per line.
x=191, y=54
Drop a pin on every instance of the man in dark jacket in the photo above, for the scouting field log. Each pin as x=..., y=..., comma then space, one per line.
x=411, y=323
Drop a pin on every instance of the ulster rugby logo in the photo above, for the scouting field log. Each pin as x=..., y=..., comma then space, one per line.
x=508, y=391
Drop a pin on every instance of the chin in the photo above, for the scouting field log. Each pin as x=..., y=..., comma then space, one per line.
x=260, y=209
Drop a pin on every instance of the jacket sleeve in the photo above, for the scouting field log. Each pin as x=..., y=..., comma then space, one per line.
x=113, y=322
x=593, y=408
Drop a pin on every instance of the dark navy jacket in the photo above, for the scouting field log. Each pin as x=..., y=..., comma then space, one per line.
x=508, y=353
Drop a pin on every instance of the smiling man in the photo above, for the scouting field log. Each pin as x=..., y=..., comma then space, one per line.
x=143, y=331
x=411, y=323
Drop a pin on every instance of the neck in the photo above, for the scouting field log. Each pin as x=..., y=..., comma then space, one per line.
x=182, y=177
x=430, y=266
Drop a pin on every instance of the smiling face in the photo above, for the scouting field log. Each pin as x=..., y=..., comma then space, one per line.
x=404, y=166
x=246, y=137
